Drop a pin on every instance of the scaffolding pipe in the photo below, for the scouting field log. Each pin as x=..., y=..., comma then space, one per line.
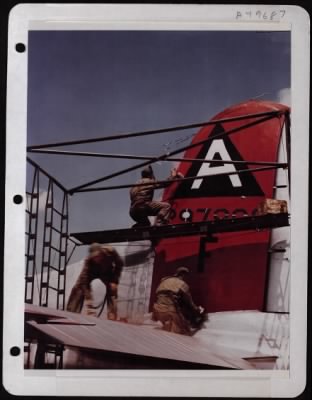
x=166, y=155
x=168, y=181
x=47, y=174
x=288, y=141
x=135, y=157
x=154, y=131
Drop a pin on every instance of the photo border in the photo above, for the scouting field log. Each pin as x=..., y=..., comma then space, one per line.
x=139, y=383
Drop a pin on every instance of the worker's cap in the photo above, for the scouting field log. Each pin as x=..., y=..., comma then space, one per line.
x=94, y=248
x=147, y=172
x=181, y=271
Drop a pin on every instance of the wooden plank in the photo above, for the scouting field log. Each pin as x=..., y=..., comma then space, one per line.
x=205, y=228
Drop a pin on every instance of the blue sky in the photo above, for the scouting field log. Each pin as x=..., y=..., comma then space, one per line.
x=85, y=84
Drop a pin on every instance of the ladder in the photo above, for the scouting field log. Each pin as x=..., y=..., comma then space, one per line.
x=54, y=249
x=31, y=238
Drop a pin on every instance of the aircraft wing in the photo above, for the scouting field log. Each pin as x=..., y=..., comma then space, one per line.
x=116, y=339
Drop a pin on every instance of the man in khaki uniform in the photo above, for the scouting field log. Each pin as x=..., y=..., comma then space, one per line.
x=142, y=203
x=174, y=306
x=104, y=263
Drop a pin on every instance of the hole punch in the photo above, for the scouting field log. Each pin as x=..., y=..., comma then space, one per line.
x=15, y=351
x=18, y=199
x=20, y=47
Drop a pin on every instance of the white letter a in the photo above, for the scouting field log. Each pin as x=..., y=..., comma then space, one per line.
x=217, y=146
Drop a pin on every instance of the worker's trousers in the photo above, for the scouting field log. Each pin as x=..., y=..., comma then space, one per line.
x=160, y=209
x=172, y=320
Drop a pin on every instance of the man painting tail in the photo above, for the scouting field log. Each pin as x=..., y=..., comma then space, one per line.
x=142, y=203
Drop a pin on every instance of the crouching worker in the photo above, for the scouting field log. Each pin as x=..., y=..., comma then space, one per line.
x=142, y=203
x=104, y=263
x=174, y=306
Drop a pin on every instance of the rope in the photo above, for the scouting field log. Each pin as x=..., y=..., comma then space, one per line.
x=103, y=305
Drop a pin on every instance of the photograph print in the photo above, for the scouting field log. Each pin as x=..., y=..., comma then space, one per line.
x=158, y=200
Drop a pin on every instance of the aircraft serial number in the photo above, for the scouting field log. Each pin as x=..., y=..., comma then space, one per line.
x=205, y=214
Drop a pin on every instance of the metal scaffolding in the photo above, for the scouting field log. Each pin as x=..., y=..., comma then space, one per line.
x=31, y=238
x=55, y=235
x=59, y=227
x=52, y=241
